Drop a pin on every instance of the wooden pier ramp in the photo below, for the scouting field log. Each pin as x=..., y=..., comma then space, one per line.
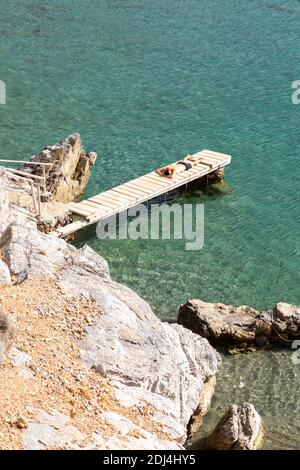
x=137, y=191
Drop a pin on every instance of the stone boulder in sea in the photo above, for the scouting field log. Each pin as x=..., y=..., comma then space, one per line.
x=241, y=428
x=241, y=327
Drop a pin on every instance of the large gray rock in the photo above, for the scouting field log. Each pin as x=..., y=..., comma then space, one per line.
x=241, y=326
x=29, y=253
x=51, y=430
x=54, y=430
x=158, y=363
x=241, y=428
x=147, y=361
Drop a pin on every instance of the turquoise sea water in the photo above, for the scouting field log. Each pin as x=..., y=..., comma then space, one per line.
x=271, y=382
x=148, y=82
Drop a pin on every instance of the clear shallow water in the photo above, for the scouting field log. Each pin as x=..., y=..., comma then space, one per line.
x=268, y=380
x=147, y=82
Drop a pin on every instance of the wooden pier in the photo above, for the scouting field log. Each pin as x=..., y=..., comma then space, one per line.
x=137, y=191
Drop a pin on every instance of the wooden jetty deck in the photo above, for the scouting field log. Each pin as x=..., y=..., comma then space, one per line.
x=138, y=191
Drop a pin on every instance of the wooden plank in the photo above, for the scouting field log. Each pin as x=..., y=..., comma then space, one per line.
x=198, y=154
x=105, y=203
x=125, y=192
x=149, y=182
x=81, y=212
x=217, y=160
x=157, y=180
x=124, y=198
x=100, y=197
x=85, y=205
x=78, y=210
x=214, y=155
x=86, y=211
x=108, y=202
x=97, y=217
x=136, y=186
x=114, y=197
x=145, y=192
x=128, y=188
x=144, y=178
x=113, y=202
x=71, y=228
x=90, y=204
x=128, y=197
x=163, y=182
x=222, y=155
x=150, y=185
x=105, y=200
x=128, y=193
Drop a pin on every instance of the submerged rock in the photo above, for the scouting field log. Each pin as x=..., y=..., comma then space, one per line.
x=241, y=327
x=241, y=428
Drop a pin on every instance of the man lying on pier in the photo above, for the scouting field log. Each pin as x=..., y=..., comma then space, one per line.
x=186, y=164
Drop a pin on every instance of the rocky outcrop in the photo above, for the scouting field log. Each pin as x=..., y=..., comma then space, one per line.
x=241, y=327
x=66, y=180
x=149, y=364
x=241, y=428
x=69, y=175
x=286, y=321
